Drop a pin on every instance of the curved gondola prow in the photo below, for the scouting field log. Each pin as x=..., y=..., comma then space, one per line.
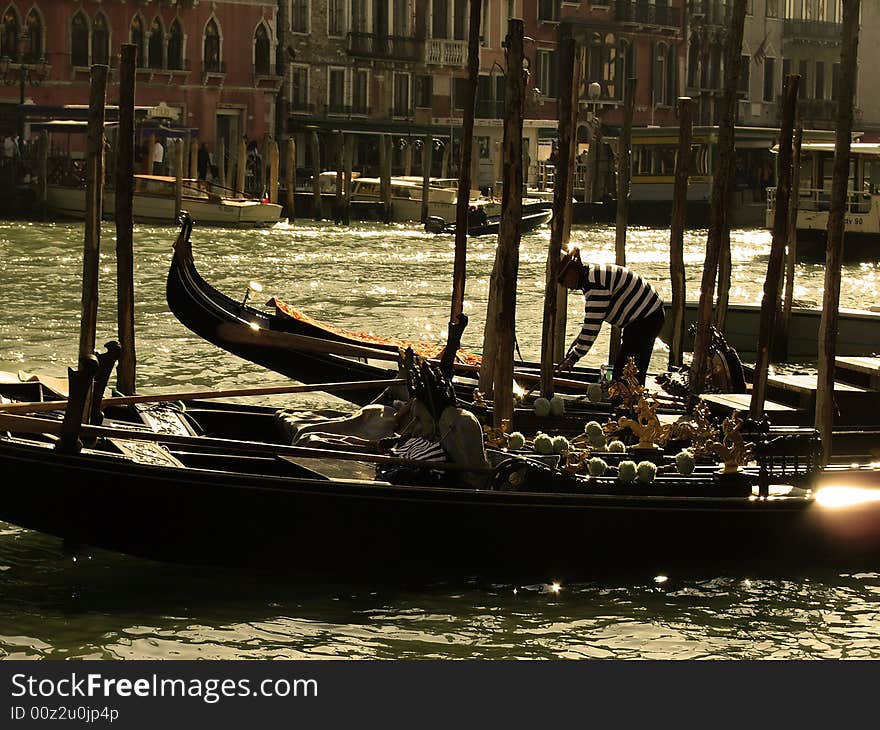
x=182, y=245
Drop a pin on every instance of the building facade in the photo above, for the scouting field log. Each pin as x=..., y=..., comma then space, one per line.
x=213, y=64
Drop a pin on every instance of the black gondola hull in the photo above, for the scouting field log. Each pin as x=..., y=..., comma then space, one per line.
x=187, y=515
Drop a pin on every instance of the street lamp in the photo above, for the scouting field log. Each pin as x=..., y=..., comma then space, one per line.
x=24, y=74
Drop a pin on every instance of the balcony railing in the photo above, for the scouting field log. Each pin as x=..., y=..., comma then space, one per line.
x=400, y=110
x=812, y=110
x=370, y=45
x=812, y=30
x=640, y=11
x=440, y=52
x=297, y=106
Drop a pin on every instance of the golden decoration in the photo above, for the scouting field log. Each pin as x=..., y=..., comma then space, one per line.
x=646, y=425
x=733, y=450
x=628, y=389
x=699, y=429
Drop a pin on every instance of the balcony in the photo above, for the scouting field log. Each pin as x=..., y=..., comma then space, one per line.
x=640, y=12
x=812, y=111
x=298, y=106
x=213, y=71
x=392, y=48
x=441, y=52
x=812, y=31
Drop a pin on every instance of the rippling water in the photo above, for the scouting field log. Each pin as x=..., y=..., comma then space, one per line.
x=388, y=280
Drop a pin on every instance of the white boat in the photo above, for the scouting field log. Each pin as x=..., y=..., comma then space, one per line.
x=154, y=202
x=858, y=330
x=406, y=197
x=862, y=216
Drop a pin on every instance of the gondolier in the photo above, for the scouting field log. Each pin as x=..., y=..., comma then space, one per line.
x=616, y=295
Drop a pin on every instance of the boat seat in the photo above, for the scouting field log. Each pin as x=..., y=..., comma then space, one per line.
x=859, y=370
x=322, y=468
x=724, y=404
x=854, y=405
x=146, y=452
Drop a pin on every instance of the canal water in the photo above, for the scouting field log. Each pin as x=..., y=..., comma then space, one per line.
x=390, y=281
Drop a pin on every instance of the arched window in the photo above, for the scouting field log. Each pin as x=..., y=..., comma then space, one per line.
x=34, y=37
x=261, y=51
x=79, y=40
x=9, y=39
x=137, y=37
x=664, y=77
x=157, y=44
x=175, y=45
x=100, y=40
x=212, y=46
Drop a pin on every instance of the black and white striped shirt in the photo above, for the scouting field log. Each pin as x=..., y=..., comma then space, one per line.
x=612, y=294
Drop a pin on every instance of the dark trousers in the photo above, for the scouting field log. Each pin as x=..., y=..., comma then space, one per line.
x=637, y=341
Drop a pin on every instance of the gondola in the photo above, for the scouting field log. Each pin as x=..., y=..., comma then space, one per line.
x=533, y=216
x=294, y=344
x=213, y=498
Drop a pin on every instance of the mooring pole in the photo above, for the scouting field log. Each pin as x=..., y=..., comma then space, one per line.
x=779, y=350
x=340, y=149
x=290, y=179
x=554, y=294
x=126, y=381
x=459, y=271
x=719, y=203
x=274, y=158
x=177, y=146
x=385, y=176
x=624, y=164
x=727, y=158
x=221, y=162
x=317, y=213
x=349, y=164
x=834, y=256
x=94, y=197
x=770, y=301
x=426, y=175
x=193, y=143
x=501, y=309
x=241, y=167
x=685, y=111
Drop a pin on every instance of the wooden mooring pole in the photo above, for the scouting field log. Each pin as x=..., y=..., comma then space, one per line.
x=290, y=179
x=126, y=381
x=779, y=349
x=770, y=301
x=834, y=255
x=685, y=111
x=496, y=371
x=426, y=175
x=723, y=183
x=274, y=158
x=719, y=206
x=385, y=176
x=80, y=380
x=177, y=146
x=624, y=170
x=464, y=162
x=241, y=166
x=340, y=149
x=555, y=297
x=317, y=213
x=349, y=164
x=94, y=207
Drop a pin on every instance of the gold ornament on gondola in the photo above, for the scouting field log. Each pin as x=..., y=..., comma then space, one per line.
x=646, y=425
x=733, y=450
x=628, y=389
x=699, y=429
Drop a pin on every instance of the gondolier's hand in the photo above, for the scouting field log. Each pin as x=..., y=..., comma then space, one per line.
x=566, y=364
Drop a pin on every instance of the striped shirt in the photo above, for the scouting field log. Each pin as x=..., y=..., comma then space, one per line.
x=612, y=294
